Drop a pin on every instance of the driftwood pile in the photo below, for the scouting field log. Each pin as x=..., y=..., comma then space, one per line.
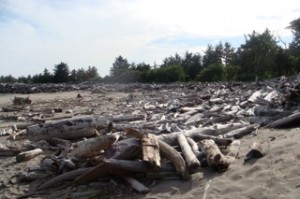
x=159, y=131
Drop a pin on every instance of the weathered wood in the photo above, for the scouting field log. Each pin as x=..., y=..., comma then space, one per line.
x=21, y=101
x=93, y=146
x=254, y=152
x=136, y=185
x=8, y=151
x=190, y=158
x=238, y=133
x=194, y=145
x=27, y=155
x=168, y=152
x=129, y=165
x=150, y=149
x=233, y=150
x=78, y=127
x=215, y=158
x=286, y=121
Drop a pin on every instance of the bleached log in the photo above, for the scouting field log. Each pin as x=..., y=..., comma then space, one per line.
x=215, y=158
x=136, y=185
x=254, y=152
x=190, y=157
x=286, y=121
x=238, y=133
x=27, y=155
x=194, y=146
x=92, y=147
x=150, y=148
x=233, y=150
x=78, y=127
x=168, y=152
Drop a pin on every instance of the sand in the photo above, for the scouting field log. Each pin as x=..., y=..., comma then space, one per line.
x=276, y=175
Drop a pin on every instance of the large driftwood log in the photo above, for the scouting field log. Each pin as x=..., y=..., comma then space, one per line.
x=78, y=127
x=150, y=148
x=93, y=146
x=168, y=152
x=190, y=158
x=215, y=158
x=238, y=133
x=286, y=121
x=27, y=155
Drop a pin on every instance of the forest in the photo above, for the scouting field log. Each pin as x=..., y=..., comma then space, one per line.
x=261, y=56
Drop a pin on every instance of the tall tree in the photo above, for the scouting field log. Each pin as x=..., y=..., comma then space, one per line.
x=120, y=66
x=295, y=45
x=61, y=73
x=191, y=64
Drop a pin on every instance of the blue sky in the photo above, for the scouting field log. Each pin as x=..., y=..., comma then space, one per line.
x=37, y=34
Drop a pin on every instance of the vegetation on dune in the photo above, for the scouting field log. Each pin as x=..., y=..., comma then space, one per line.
x=259, y=57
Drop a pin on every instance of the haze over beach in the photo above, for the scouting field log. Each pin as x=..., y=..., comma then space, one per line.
x=39, y=34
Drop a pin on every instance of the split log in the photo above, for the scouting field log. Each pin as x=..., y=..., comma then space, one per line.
x=254, y=152
x=190, y=157
x=151, y=150
x=136, y=185
x=78, y=127
x=215, y=158
x=27, y=155
x=238, y=133
x=286, y=121
x=233, y=149
x=168, y=152
x=93, y=146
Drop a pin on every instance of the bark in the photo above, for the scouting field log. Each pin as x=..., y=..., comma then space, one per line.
x=215, y=158
x=27, y=155
x=190, y=158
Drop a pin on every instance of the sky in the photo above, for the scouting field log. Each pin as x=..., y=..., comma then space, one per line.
x=38, y=34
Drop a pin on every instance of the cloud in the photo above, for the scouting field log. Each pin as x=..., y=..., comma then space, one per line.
x=39, y=34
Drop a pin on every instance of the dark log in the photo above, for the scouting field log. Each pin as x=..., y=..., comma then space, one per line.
x=286, y=121
x=215, y=158
x=27, y=155
x=150, y=149
x=136, y=185
x=189, y=156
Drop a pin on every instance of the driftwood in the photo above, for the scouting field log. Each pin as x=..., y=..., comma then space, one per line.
x=150, y=148
x=254, y=152
x=136, y=185
x=21, y=100
x=93, y=146
x=238, y=133
x=233, y=149
x=168, y=152
x=194, y=146
x=190, y=158
x=27, y=155
x=8, y=151
x=286, y=121
x=215, y=158
x=78, y=127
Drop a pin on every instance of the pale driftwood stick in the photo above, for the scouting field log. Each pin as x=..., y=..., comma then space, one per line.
x=65, y=129
x=136, y=185
x=291, y=119
x=197, y=135
x=190, y=157
x=92, y=147
x=63, y=177
x=215, y=158
x=168, y=152
x=254, y=152
x=150, y=148
x=233, y=150
x=27, y=155
x=238, y=133
x=194, y=145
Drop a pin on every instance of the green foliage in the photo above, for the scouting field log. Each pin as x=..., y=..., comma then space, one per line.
x=61, y=73
x=120, y=66
x=213, y=72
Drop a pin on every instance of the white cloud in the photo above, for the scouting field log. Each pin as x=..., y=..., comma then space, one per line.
x=38, y=34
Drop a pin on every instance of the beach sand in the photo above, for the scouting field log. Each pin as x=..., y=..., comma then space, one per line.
x=276, y=175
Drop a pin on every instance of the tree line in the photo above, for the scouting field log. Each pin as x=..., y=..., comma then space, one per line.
x=259, y=57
